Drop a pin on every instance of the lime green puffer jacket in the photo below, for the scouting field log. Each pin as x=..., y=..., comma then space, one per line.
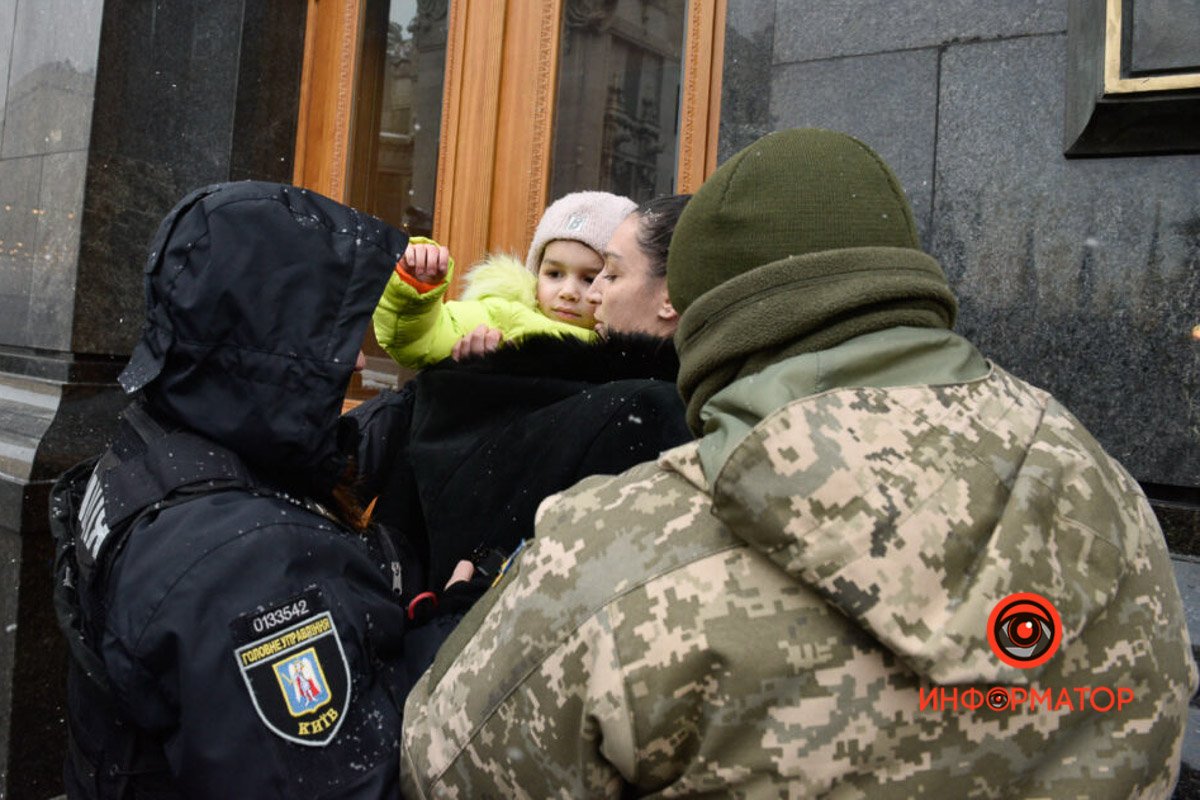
x=417, y=329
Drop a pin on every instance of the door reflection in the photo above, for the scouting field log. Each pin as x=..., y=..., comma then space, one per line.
x=617, y=111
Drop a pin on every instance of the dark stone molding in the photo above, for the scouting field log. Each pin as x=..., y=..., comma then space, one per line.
x=1178, y=513
x=36, y=734
x=83, y=422
x=74, y=414
x=61, y=367
x=1113, y=109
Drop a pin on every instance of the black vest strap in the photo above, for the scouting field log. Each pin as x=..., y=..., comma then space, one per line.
x=170, y=468
x=174, y=462
x=65, y=502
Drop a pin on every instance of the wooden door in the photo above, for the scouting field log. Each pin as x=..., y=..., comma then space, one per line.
x=494, y=144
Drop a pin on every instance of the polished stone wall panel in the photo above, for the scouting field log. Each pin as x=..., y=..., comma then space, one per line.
x=1166, y=35
x=48, y=111
x=38, y=741
x=52, y=295
x=751, y=15
x=746, y=82
x=170, y=84
x=20, y=181
x=123, y=204
x=1082, y=276
x=207, y=126
x=272, y=57
x=167, y=111
x=895, y=117
x=807, y=30
x=8, y=18
x=51, y=77
x=10, y=571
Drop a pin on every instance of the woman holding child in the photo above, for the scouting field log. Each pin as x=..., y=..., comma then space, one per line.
x=463, y=455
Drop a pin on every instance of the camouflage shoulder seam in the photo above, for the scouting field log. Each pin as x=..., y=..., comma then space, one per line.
x=1129, y=484
x=895, y=395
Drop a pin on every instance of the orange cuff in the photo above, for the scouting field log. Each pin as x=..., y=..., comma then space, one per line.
x=420, y=286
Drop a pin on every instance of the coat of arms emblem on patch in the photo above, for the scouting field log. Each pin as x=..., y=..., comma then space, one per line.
x=303, y=682
x=297, y=674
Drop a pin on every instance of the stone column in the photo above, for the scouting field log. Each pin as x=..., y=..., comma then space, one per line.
x=109, y=113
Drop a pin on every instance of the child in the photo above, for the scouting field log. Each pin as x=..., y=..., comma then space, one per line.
x=546, y=295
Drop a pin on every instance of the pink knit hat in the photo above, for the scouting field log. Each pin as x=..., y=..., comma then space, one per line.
x=587, y=217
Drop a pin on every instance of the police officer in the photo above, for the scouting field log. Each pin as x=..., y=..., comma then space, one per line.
x=233, y=634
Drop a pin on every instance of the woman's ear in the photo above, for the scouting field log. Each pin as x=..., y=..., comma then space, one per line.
x=666, y=311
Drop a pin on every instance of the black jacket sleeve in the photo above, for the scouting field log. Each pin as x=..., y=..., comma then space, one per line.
x=384, y=425
x=641, y=424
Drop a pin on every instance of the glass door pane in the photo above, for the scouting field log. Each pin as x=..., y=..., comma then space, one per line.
x=396, y=129
x=397, y=124
x=617, y=110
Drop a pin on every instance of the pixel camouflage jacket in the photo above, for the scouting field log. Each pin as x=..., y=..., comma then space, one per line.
x=417, y=329
x=802, y=608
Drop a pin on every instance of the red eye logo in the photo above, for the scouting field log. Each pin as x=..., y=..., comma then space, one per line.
x=1024, y=630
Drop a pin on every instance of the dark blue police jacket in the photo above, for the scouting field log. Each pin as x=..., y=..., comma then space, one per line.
x=232, y=638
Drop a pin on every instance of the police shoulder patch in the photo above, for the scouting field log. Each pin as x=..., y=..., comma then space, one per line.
x=293, y=664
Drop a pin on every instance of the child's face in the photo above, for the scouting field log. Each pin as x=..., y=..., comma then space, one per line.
x=566, y=272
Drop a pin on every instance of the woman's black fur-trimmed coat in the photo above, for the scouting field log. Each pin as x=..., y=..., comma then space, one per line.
x=463, y=455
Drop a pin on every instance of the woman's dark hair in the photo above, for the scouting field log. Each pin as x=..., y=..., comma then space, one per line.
x=345, y=502
x=656, y=224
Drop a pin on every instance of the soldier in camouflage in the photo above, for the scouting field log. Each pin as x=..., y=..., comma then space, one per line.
x=814, y=598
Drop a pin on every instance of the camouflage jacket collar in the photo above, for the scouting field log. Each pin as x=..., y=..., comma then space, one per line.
x=900, y=356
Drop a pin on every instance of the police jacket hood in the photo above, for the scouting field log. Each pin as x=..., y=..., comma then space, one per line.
x=255, y=291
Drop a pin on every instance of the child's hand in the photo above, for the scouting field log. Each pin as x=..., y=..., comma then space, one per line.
x=427, y=263
x=479, y=341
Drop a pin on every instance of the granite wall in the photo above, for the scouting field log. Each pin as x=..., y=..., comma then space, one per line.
x=47, y=78
x=1080, y=275
x=1083, y=275
x=109, y=113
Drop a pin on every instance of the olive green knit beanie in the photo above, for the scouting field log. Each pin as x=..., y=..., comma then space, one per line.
x=797, y=243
